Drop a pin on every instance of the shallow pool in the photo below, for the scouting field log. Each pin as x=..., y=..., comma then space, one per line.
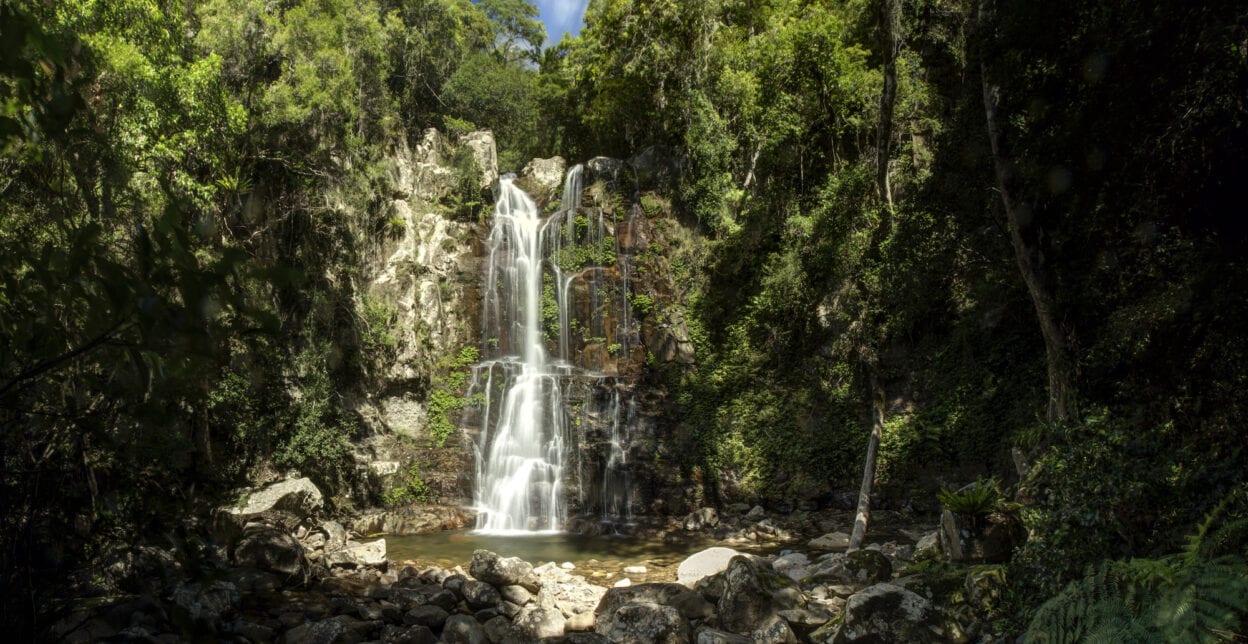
x=601, y=559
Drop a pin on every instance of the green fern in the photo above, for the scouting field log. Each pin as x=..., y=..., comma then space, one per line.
x=978, y=499
x=1197, y=595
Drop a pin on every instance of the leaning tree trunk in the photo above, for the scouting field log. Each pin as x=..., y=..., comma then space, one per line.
x=890, y=43
x=868, y=471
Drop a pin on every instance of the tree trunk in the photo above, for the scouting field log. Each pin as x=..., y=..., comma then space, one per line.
x=1025, y=236
x=868, y=470
x=890, y=44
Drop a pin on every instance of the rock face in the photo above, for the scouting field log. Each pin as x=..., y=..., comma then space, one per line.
x=544, y=176
x=888, y=613
x=283, y=505
x=422, y=273
x=485, y=153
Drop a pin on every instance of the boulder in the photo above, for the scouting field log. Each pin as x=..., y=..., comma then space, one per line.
x=701, y=519
x=358, y=555
x=285, y=504
x=207, y=603
x=928, y=546
x=510, y=571
x=327, y=631
x=830, y=541
x=571, y=594
x=429, y=616
x=463, y=629
x=867, y=566
x=774, y=630
x=793, y=566
x=391, y=634
x=704, y=563
x=888, y=613
x=536, y=622
x=644, y=624
x=603, y=169
x=479, y=594
x=688, y=603
x=753, y=594
x=266, y=548
x=500, y=630
x=708, y=635
x=517, y=595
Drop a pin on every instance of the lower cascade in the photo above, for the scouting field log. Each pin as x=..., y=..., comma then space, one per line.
x=540, y=385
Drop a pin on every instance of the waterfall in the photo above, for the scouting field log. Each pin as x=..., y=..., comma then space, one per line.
x=616, y=497
x=520, y=457
x=527, y=435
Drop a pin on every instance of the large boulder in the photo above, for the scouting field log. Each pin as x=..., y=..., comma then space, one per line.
x=493, y=569
x=266, y=548
x=702, y=564
x=887, y=613
x=753, y=594
x=690, y=604
x=358, y=555
x=644, y=624
x=285, y=504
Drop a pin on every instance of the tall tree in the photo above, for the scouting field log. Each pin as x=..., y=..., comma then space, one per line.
x=1026, y=238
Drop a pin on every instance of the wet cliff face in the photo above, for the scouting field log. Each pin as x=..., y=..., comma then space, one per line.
x=610, y=317
x=610, y=320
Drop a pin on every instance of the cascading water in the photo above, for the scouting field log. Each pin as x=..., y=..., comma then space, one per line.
x=520, y=457
x=525, y=435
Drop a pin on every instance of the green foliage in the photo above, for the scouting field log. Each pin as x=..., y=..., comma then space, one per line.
x=318, y=442
x=377, y=335
x=446, y=396
x=979, y=499
x=411, y=489
x=571, y=259
x=1149, y=600
x=642, y=304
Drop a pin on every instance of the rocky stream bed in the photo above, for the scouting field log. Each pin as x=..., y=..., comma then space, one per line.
x=271, y=570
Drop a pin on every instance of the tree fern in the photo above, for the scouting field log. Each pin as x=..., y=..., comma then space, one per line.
x=1197, y=595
